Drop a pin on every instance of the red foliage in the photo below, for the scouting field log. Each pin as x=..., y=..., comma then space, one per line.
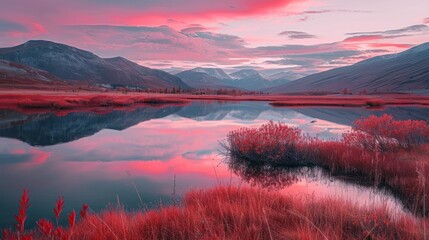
x=386, y=134
x=372, y=153
x=245, y=213
x=59, y=233
x=59, y=204
x=24, y=204
x=72, y=218
x=84, y=211
x=45, y=227
x=270, y=142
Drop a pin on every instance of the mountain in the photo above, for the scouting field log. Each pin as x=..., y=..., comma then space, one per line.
x=285, y=76
x=71, y=63
x=244, y=73
x=15, y=75
x=216, y=78
x=249, y=79
x=404, y=71
x=214, y=72
x=200, y=78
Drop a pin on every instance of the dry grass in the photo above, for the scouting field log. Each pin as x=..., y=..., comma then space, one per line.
x=60, y=100
x=232, y=213
x=378, y=152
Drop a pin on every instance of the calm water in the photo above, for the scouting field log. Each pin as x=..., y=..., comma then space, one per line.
x=103, y=159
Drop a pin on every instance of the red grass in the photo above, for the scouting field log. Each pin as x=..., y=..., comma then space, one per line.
x=58, y=208
x=72, y=218
x=45, y=227
x=239, y=213
x=232, y=213
x=84, y=211
x=386, y=134
x=24, y=204
x=378, y=151
x=66, y=101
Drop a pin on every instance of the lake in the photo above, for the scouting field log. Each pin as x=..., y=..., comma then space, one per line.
x=151, y=155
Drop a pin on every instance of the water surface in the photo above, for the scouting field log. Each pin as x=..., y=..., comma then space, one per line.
x=103, y=159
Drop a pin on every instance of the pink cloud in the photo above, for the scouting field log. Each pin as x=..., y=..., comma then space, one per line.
x=396, y=45
x=363, y=38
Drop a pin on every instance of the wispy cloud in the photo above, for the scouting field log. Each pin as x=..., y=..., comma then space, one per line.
x=410, y=29
x=365, y=38
x=297, y=35
x=324, y=11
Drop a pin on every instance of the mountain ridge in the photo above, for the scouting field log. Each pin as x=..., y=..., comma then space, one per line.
x=404, y=71
x=73, y=64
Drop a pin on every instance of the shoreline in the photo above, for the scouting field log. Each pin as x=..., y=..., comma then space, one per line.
x=42, y=101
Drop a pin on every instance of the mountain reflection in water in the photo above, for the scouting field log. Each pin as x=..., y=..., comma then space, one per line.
x=98, y=158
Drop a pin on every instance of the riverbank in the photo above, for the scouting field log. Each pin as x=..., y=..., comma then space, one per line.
x=378, y=151
x=40, y=101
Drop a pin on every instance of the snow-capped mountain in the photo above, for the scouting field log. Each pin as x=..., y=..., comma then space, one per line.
x=214, y=72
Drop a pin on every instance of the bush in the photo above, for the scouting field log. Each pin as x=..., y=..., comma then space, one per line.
x=386, y=134
x=269, y=143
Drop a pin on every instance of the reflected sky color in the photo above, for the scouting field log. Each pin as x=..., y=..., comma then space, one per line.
x=101, y=168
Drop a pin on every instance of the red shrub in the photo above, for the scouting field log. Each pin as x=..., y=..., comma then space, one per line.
x=269, y=143
x=386, y=134
x=372, y=153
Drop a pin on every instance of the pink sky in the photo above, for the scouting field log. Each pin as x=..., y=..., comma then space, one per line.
x=298, y=35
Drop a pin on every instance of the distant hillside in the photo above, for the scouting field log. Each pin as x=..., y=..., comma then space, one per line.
x=71, y=63
x=215, y=78
x=404, y=71
x=249, y=79
x=15, y=75
x=200, y=79
x=214, y=72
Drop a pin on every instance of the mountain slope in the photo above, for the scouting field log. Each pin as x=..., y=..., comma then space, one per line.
x=216, y=78
x=404, y=71
x=201, y=79
x=214, y=72
x=249, y=79
x=71, y=63
x=15, y=75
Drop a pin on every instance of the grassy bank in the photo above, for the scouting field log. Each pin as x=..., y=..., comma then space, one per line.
x=239, y=213
x=379, y=151
x=50, y=100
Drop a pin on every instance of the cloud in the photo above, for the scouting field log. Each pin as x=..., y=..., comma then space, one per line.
x=297, y=35
x=133, y=12
x=142, y=43
x=426, y=20
x=396, y=45
x=315, y=61
x=365, y=38
x=7, y=26
x=305, y=15
x=410, y=29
